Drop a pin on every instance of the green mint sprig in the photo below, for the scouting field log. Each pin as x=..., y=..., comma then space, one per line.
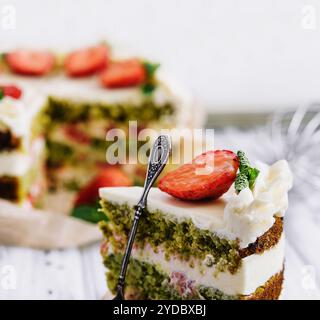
x=1, y=94
x=151, y=68
x=247, y=175
x=150, y=84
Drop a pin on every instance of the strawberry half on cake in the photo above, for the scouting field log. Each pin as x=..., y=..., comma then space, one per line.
x=212, y=230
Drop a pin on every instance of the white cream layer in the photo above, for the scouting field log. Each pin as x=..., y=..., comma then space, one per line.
x=254, y=272
x=18, y=163
x=244, y=217
x=14, y=164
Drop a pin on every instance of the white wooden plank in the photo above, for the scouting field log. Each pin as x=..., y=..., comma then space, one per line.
x=45, y=275
x=94, y=272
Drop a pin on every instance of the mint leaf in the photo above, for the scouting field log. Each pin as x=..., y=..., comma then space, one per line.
x=89, y=213
x=1, y=94
x=247, y=175
x=241, y=182
x=253, y=174
x=149, y=85
x=243, y=161
x=150, y=68
x=148, y=88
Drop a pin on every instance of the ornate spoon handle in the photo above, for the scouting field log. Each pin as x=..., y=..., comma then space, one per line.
x=158, y=158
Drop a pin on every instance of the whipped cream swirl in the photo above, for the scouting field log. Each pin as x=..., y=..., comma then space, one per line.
x=250, y=214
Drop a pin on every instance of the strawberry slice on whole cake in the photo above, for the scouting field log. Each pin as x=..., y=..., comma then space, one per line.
x=30, y=62
x=86, y=62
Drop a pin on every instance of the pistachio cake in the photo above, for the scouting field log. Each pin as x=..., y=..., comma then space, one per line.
x=85, y=93
x=228, y=246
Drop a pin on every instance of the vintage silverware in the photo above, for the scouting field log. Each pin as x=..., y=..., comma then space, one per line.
x=158, y=158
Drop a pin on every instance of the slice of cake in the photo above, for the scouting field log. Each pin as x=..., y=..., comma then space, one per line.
x=219, y=247
x=22, y=146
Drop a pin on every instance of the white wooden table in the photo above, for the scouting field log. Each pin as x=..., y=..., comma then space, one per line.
x=79, y=273
x=65, y=274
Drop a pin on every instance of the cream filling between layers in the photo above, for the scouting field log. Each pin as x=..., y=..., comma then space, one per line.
x=17, y=163
x=255, y=270
x=14, y=164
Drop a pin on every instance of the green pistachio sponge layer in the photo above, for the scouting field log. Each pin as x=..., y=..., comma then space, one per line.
x=64, y=110
x=148, y=281
x=181, y=238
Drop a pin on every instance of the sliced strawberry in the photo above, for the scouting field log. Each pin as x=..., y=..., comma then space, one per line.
x=104, y=247
x=122, y=74
x=11, y=91
x=76, y=135
x=32, y=63
x=210, y=175
x=108, y=177
x=87, y=61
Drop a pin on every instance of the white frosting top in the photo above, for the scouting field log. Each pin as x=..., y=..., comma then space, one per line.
x=244, y=217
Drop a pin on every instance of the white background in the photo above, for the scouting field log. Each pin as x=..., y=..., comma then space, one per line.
x=231, y=54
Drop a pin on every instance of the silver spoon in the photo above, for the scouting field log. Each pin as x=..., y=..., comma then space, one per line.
x=158, y=158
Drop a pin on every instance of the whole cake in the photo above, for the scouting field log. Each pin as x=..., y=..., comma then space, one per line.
x=55, y=112
x=203, y=236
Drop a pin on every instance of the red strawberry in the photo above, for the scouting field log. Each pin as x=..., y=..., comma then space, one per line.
x=32, y=63
x=87, y=61
x=11, y=91
x=122, y=74
x=76, y=135
x=104, y=247
x=210, y=175
x=108, y=177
